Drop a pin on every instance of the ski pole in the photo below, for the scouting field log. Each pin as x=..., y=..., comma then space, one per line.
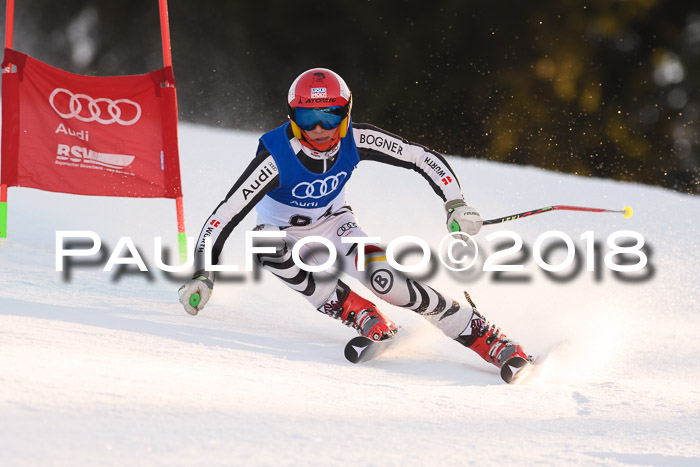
x=627, y=212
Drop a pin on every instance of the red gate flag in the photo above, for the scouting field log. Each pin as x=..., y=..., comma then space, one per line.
x=88, y=135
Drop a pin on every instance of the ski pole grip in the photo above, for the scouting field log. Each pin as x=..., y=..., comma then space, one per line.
x=194, y=300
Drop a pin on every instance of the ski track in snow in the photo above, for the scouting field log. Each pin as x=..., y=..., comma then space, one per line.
x=101, y=368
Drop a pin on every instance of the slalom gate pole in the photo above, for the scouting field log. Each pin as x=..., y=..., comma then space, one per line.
x=3, y=214
x=181, y=235
x=9, y=22
x=9, y=30
x=627, y=212
x=168, y=61
x=165, y=33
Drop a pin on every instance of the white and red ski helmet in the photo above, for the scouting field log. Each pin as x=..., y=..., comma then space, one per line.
x=320, y=88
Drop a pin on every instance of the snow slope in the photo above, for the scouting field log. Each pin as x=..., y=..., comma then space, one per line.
x=101, y=368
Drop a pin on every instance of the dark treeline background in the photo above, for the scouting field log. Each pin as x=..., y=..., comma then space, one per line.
x=605, y=88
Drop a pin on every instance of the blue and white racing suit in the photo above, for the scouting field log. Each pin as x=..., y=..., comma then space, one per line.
x=304, y=195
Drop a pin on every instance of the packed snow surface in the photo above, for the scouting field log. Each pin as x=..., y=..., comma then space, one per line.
x=106, y=368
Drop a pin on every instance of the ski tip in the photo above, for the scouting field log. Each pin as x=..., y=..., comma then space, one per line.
x=515, y=370
x=356, y=347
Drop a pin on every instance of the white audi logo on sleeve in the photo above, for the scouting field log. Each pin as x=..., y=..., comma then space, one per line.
x=318, y=188
x=114, y=108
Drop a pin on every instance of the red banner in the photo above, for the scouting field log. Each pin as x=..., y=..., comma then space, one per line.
x=87, y=135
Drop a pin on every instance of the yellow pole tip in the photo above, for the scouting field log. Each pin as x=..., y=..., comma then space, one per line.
x=627, y=212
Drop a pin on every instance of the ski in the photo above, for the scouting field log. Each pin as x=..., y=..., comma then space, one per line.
x=362, y=349
x=516, y=370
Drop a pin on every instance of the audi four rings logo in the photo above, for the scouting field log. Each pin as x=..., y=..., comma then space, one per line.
x=348, y=226
x=108, y=113
x=318, y=188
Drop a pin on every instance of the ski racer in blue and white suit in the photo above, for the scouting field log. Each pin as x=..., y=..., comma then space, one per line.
x=296, y=182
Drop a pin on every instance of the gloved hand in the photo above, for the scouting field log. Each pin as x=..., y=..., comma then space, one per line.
x=462, y=218
x=195, y=293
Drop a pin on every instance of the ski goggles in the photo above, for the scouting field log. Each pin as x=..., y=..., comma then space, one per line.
x=327, y=117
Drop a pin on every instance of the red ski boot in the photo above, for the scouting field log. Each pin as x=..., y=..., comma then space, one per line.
x=495, y=347
x=358, y=313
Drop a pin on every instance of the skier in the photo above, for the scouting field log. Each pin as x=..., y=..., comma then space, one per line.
x=297, y=181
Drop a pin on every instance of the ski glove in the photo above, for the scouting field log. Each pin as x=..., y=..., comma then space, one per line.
x=195, y=293
x=462, y=218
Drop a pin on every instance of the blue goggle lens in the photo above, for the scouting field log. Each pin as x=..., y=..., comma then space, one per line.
x=327, y=117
